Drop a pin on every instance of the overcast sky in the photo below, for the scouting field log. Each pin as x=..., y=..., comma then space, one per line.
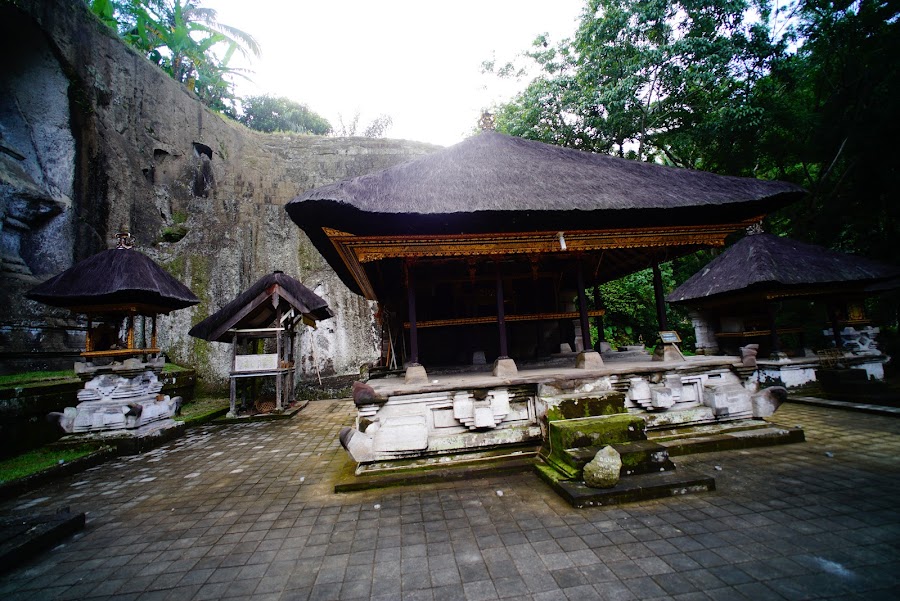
x=417, y=61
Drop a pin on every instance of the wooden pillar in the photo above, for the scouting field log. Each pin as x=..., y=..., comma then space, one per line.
x=501, y=315
x=835, y=326
x=582, y=309
x=129, y=342
x=233, y=383
x=279, y=376
x=88, y=338
x=153, y=333
x=413, y=335
x=598, y=320
x=773, y=327
x=660, y=298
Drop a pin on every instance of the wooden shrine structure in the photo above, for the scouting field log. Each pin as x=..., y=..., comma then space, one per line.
x=738, y=293
x=267, y=314
x=486, y=249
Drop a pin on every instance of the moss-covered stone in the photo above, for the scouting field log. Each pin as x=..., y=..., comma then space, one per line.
x=596, y=431
x=599, y=431
x=608, y=403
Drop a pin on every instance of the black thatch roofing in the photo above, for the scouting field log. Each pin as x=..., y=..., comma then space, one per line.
x=769, y=262
x=494, y=173
x=253, y=308
x=115, y=277
x=497, y=183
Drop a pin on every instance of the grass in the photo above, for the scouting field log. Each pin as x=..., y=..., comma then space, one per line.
x=200, y=410
x=31, y=377
x=38, y=460
x=40, y=377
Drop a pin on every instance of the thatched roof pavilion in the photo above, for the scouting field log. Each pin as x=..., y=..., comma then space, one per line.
x=741, y=289
x=766, y=266
x=112, y=279
x=254, y=308
x=498, y=225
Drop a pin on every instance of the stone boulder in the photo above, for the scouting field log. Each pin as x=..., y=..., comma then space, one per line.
x=768, y=400
x=603, y=470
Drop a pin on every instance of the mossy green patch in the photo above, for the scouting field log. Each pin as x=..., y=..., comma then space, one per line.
x=609, y=403
x=203, y=410
x=39, y=460
x=35, y=377
x=596, y=431
x=173, y=233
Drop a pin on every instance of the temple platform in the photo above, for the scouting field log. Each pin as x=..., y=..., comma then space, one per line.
x=453, y=412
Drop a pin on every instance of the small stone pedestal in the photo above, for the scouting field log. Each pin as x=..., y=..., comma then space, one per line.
x=504, y=367
x=416, y=374
x=589, y=360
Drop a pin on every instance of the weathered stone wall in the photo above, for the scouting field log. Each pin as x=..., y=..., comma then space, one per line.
x=115, y=143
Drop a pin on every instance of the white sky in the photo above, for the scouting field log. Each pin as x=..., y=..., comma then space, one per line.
x=417, y=61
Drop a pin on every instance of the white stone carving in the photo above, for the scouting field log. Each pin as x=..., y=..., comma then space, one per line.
x=478, y=414
x=113, y=402
x=860, y=341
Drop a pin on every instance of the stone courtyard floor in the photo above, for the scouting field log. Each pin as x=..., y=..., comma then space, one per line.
x=247, y=511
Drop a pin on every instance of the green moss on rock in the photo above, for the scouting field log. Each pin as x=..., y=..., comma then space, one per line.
x=610, y=403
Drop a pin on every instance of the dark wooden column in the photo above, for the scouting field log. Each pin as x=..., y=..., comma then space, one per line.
x=660, y=298
x=773, y=327
x=598, y=320
x=413, y=335
x=501, y=315
x=835, y=325
x=582, y=309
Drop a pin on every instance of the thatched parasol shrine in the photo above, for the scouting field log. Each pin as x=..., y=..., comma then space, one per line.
x=738, y=293
x=121, y=370
x=269, y=310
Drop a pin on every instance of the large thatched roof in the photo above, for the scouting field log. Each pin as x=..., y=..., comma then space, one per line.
x=771, y=263
x=254, y=308
x=494, y=183
x=491, y=175
x=114, y=277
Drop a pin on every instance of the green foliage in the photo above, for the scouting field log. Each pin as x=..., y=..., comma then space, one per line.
x=376, y=129
x=630, y=305
x=644, y=78
x=183, y=38
x=270, y=114
x=804, y=91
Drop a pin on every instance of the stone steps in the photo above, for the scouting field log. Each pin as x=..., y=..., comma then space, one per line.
x=732, y=440
x=441, y=468
x=640, y=457
x=633, y=488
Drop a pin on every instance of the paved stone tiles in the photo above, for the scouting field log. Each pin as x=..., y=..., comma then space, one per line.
x=246, y=512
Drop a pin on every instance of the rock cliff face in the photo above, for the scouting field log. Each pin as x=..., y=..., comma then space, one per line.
x=95, y=138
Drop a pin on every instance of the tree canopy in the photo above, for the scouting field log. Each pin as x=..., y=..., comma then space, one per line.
x=269, y=114
x=183, y=38
x=805, y=91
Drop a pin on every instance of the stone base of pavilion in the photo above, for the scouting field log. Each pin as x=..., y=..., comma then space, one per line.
x=450, y=413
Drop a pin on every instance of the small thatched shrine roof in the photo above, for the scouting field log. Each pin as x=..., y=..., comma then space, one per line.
x=769, y=263
x=256, y=307
x=114, y=278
